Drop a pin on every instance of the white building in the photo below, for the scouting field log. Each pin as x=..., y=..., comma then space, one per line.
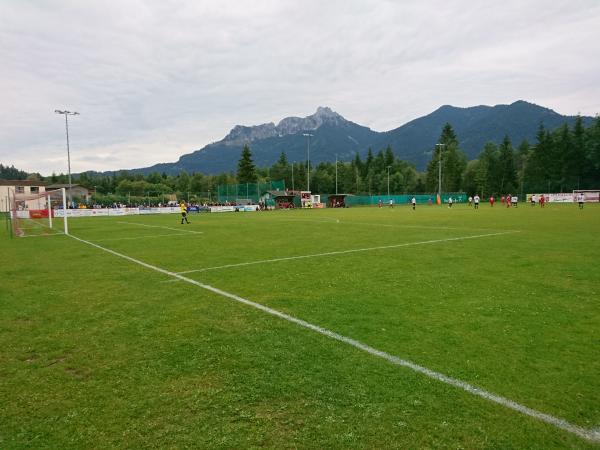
x=11, y=187
x=77, y=192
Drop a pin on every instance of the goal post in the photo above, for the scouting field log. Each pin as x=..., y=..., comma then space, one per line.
x=32, y=214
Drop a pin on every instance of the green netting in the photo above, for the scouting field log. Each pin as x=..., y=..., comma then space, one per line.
x=354, y=200
x=247, y=191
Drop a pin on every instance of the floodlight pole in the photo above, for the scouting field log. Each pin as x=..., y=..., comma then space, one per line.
x=67, y=114
x=336, y=184
x=440, y=171
x=308, y=135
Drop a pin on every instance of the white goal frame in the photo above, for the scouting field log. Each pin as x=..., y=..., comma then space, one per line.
x=20, y=204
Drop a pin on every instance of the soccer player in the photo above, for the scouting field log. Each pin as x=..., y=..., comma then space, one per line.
x=476, y=201
x=492, y=200
x=414, y=203
x=450, y=202
x=391, y=203
x=470, y=200
x=184, y=213
x=542, y=200
x=580, y=200
x=533, y=199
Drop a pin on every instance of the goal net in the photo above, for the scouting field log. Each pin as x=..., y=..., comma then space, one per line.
x=33, y=214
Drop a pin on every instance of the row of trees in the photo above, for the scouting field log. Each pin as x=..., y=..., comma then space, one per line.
x=370, y=176
x=11, y=173
x=561, y=160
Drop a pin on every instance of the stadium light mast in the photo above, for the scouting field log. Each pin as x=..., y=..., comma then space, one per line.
x=308, y=136
x=388, y=168
x=336, y=174
x=67, y=114
x=440, y=171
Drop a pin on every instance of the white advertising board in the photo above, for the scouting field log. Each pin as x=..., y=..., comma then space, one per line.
x=135, y=211
x=222, y=209
x=560, y=198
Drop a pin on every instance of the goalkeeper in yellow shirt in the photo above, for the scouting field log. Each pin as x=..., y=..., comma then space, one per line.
x=184, y=213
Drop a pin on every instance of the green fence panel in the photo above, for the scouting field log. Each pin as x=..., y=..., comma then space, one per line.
x=247, y=191
x=356, y=200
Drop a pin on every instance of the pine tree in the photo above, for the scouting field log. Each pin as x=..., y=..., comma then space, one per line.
x=454, y=162
x=575, y=161
x=368, y=163
x=389, y=156
x=281, y=170
x=246, y=172
x=358, y=163
x=592, y=154
x=507, y=169
x=485, y=176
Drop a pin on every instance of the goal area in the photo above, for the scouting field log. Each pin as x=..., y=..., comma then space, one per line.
x=33, y=214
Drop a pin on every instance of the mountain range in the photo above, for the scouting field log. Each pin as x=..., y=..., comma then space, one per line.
x=333, y=135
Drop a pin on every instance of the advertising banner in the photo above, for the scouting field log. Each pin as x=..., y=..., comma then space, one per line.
x=222, y=209
x=560, y=198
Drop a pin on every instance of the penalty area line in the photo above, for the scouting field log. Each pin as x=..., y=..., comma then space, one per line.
x=588, y=434
x=335, y=221
x=342, y=252
x=147, y=236
x=165, y=228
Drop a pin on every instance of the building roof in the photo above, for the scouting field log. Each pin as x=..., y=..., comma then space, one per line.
x=22, y=183
x=281, y=194
x=60, y=186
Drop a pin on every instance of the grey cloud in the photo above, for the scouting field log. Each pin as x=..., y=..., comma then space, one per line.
x=155, y=79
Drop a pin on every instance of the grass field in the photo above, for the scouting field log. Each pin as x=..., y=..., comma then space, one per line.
x=101, y=351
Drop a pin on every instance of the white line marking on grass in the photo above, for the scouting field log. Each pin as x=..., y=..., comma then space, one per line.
x=589, y=434
x=351, y=222
x=342, y=252
x=58, y=233
x=142, y=237
x=166, y=228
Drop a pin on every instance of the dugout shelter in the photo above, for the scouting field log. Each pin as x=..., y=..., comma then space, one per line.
x=337, y=200
x=282, y=199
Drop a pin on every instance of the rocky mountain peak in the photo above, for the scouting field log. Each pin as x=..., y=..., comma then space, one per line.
x=241, y=134
x=290, y=125
x=324, y=112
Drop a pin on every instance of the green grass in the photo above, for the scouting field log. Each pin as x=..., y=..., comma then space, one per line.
x=100, y=352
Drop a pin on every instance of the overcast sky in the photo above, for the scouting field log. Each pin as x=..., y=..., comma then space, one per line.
x=157, y=79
